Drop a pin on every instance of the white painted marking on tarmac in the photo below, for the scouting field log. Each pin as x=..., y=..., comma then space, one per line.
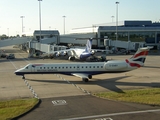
x=104, y=119
x=13, y=64
x=113, y=114
x=26, y=60
x=59, y=102
x=31, y=89
x=85, y=91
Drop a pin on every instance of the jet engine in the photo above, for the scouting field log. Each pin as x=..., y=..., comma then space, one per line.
x=93, y=52
x=57, y=54
x=63, y=53
x=71, y=58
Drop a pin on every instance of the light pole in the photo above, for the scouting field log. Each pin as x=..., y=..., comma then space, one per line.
x=117, y=20
x=116, y=24
x=64, y=23
x=40, y=18
x=22, y=23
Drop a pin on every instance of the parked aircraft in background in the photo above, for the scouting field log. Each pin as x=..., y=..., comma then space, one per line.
x=74, y=53
x=85, y=70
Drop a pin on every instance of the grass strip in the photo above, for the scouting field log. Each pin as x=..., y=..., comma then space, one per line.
x=12, y=108
x=149, y=96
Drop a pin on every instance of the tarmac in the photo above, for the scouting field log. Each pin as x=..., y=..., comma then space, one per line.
x=68, y=97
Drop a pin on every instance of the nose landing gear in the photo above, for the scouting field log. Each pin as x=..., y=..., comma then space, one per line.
x=23, y=77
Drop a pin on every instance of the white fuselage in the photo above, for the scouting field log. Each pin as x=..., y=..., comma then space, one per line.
x=80, y=53
x=91, y=68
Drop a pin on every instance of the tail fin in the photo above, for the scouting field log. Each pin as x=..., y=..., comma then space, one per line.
x=89, y=46
x=138, y=59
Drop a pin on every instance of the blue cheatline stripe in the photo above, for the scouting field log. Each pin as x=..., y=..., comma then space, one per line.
x=69, y=73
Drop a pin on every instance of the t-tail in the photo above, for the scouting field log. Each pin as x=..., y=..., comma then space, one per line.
x=138, y=59
x=89, y=46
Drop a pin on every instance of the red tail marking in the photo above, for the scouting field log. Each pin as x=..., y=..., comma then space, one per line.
x=133, y=64
x=141, y=53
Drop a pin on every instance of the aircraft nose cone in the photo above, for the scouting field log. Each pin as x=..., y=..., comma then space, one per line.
x=17, y=72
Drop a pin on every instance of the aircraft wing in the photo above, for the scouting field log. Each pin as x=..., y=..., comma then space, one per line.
x=81, y=75
x=58, y=52
x=99, y=50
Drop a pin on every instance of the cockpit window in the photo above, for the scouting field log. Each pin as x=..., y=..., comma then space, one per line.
x=26, y=67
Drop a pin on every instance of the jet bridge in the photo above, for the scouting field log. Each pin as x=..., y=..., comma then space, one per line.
x=127, y=45
x=46, y=45
x=31, y=45
x=14, y=41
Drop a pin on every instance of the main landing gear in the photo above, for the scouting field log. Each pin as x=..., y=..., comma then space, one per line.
x=85, y=79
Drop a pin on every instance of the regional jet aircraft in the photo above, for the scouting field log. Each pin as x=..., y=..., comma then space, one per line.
x=85, y=70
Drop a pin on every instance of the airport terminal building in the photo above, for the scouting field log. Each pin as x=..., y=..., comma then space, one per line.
x=134, y=31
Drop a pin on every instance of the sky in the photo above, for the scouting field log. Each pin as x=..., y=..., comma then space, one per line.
x=79, y=14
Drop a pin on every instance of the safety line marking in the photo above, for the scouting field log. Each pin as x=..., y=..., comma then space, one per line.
x=113, y=114
x=83, y=90
x=13, y=64
x=31, y=89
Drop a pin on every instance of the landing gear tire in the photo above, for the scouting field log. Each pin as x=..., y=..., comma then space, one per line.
x=23, y=77
x=90, y=76
x=85, y=79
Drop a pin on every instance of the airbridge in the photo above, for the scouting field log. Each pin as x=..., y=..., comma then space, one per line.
x=34, y=43
x=31, y=45
x=46, y=45
x=14, y=41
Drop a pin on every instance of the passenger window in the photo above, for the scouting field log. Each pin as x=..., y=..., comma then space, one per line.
x=97, y=66
x=26, y=67
x=44, y=67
